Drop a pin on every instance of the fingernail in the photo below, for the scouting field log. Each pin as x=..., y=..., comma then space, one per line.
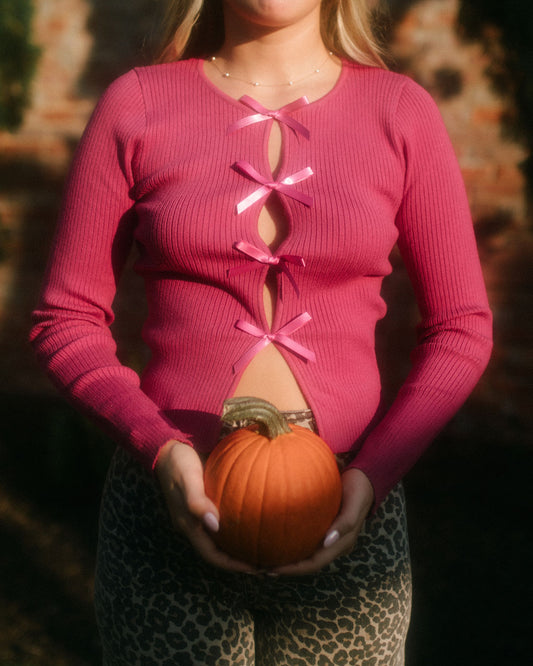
x=331, y=538
x=210, y=521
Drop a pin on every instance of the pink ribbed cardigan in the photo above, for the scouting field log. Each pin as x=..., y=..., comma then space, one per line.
x=165, y=163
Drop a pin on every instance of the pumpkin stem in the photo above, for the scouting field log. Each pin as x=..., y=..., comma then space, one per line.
x=270, y=420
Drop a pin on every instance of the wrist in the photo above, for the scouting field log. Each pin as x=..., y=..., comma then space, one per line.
x=362, y=487
x=164, y=454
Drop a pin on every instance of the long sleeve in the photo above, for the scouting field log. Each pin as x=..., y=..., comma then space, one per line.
x=71, y=334
x=454, y=337
x=155, y=165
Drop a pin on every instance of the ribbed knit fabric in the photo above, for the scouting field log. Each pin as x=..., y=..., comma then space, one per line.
x=156, y=165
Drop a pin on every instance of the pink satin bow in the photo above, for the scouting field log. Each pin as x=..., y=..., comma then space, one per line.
x=263, y=113
x=281, y=336
x=284, y=186
x=279, y=263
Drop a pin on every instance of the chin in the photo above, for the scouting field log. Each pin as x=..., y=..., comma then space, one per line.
x=273, y=13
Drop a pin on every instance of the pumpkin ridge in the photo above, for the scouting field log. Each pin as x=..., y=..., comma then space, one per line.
x=278, y=451
x=229, y=481
x=220, y=462
x=284, y=521
x=260, y=503
x=247, y=495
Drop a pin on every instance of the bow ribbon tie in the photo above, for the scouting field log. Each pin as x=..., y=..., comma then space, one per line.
x=263, y=113
x=281, y=336
x=285, y=186
x=278, y=263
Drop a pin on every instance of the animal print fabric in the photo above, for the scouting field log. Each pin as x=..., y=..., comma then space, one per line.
x=159, y=604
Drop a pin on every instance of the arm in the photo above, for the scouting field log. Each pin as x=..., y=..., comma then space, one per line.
x=437, y=243
x=180, y=473
x=70, y=333
x=454, y=337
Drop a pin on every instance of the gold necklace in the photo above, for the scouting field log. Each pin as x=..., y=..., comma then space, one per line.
x=227, y=75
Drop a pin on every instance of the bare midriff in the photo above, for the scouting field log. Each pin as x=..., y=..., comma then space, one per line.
x=268, y=375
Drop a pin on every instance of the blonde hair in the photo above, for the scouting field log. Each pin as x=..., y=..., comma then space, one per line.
x=195, y=28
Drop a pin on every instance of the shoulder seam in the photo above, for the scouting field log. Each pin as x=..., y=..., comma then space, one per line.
x=396, y=132
x=400, y=94
x=145, y=113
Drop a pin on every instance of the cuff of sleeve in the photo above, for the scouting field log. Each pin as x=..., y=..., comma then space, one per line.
x=146, y=441
x=182, y=439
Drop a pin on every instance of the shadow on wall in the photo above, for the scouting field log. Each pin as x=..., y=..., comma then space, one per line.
x=505, y=29
x=39, y=190
x=50, y=464
x=125, y=34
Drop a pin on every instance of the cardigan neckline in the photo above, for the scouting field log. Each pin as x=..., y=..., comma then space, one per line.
x=332, y=92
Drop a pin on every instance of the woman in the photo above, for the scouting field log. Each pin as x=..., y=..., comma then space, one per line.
x=265, y=177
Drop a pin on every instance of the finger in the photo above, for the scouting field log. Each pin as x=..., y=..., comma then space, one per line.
x=347, y=524
x=196, y=530
x=197, y=502
x=356, y=503
x=188, y=475
x=208, y=550
x=183, y=519
x=322, y=557
x=305, y=567
x=344, y=530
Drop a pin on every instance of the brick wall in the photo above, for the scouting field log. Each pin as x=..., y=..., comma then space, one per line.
x=86, y=43
x=427, y=46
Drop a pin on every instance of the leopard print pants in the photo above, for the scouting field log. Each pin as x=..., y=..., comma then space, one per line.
x=159, y=604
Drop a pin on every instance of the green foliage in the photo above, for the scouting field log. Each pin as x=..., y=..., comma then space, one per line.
x=18, y=57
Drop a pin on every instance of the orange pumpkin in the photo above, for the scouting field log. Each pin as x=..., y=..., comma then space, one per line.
x=277, y=486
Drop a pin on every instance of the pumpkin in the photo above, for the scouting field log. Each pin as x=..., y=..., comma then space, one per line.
x=277, y=486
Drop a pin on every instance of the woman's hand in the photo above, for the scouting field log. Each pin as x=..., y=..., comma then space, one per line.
x=180, y=473
x=357, y=499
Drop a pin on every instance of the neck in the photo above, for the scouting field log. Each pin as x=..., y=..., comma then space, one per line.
x=272, y=54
